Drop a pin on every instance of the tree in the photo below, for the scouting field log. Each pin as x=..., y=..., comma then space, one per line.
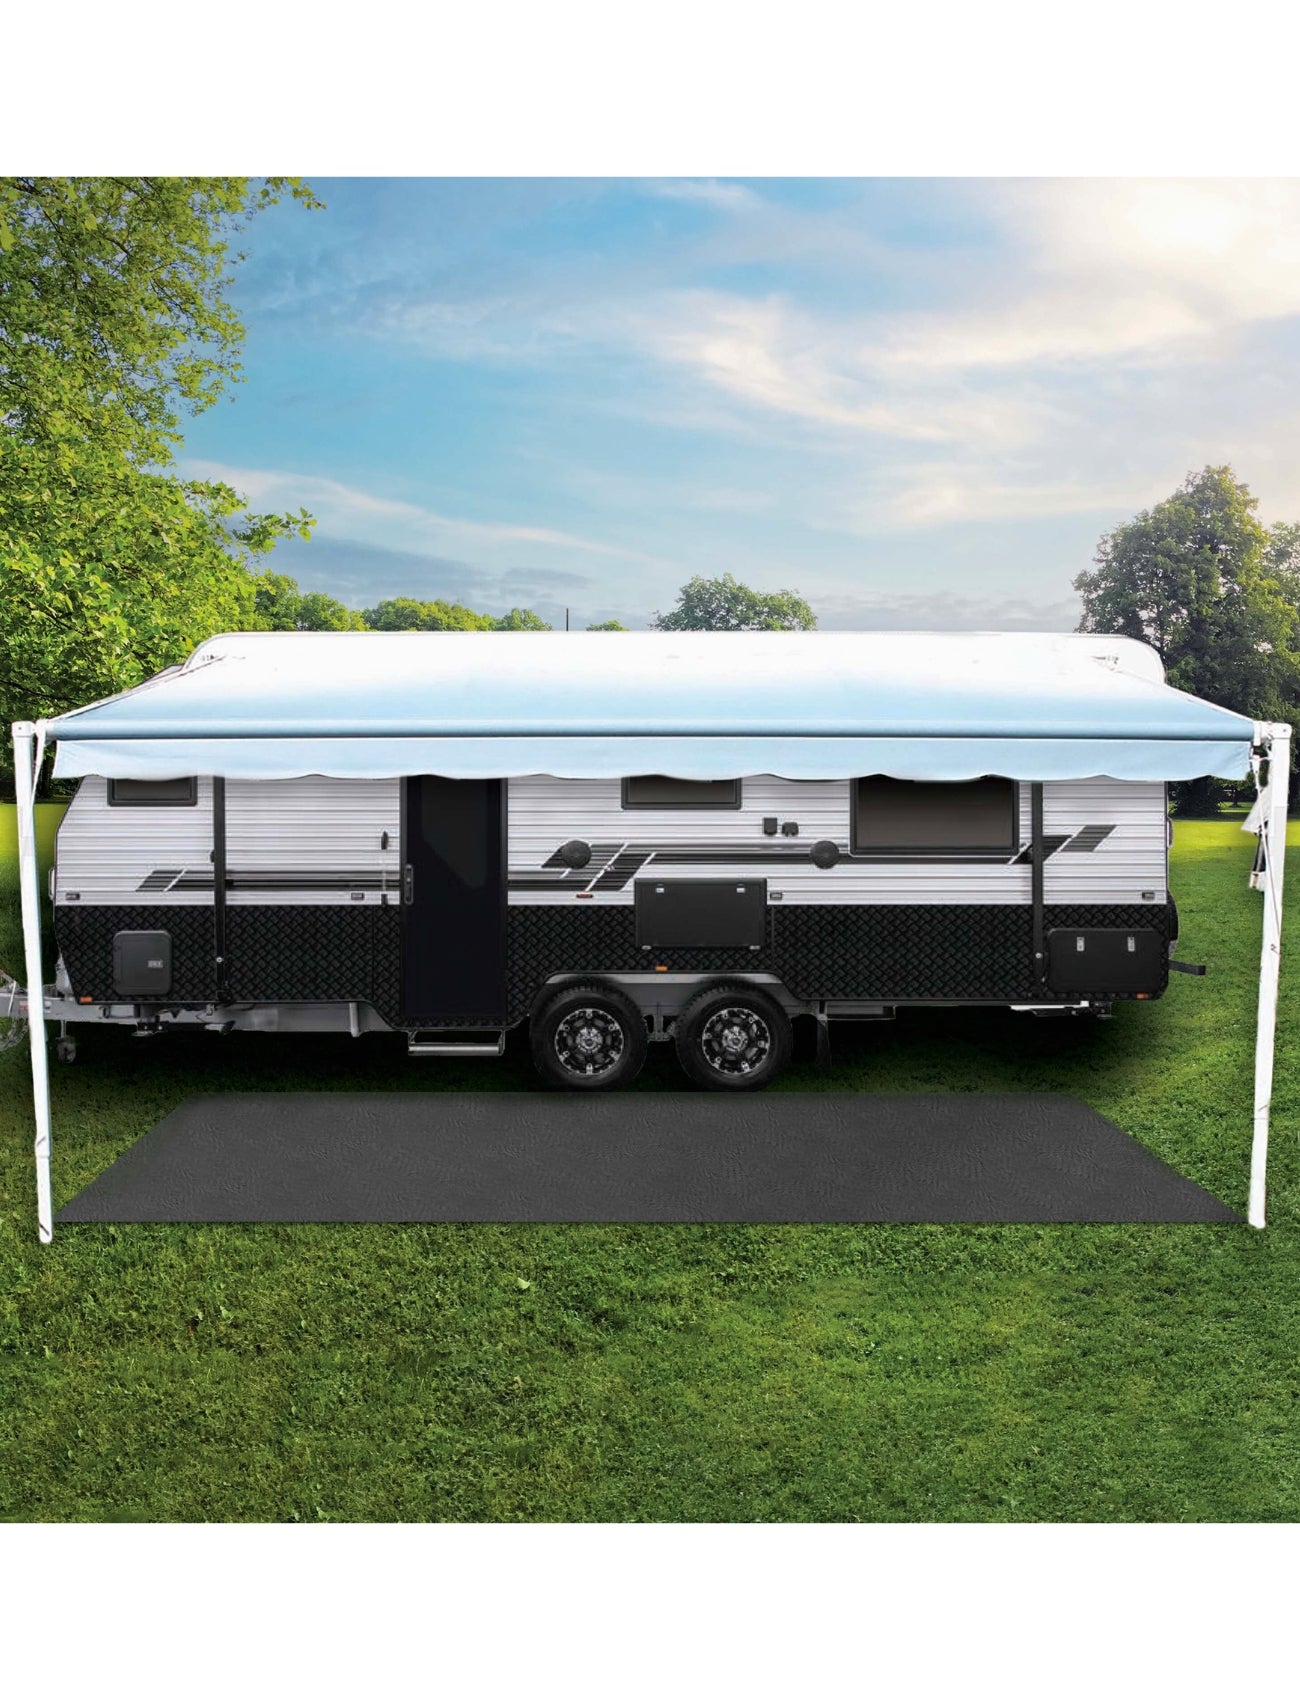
x=725, y=605
x=607, y=626
x=1200, y=579
x=1282, y=558
x=279, y=606
x=113, y=321
x=102, y=585
x=113, y=307
x=520, y=620
x=405, y=614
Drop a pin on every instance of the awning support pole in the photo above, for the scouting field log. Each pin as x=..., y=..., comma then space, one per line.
x=221, y=973
x=1036, y=878
x=1272, y=831
x=26, y=756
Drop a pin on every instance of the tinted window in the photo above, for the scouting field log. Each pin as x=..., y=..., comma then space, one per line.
x=658, y=791
x=152, y=792
x=894, y=816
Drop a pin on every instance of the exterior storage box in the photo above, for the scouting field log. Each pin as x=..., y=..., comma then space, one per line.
x=142, y=964
x=707, y=913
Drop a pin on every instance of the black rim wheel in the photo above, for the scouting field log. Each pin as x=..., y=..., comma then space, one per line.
x=735, y=1040
x=589, y=1041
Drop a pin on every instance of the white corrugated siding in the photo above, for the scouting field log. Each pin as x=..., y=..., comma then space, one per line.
x=325, y=827
x=546, y=812
x=322, y=827
x=105, y=854
x=313, y=826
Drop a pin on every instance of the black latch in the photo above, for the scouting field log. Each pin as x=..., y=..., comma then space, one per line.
x=770, y=825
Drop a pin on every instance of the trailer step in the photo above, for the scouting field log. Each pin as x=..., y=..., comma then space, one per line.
x=438, y=1042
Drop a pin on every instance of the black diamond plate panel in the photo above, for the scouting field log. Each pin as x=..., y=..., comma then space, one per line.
x=898, y=952
x=330, y=952
x=312, y=953
x=547, y=939
x=85, y=940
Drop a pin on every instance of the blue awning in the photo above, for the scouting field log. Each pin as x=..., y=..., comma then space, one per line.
x=805, y=705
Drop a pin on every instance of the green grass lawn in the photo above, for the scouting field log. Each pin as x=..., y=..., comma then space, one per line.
x=667, y=1372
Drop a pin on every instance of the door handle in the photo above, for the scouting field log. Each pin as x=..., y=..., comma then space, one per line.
x=408, y=884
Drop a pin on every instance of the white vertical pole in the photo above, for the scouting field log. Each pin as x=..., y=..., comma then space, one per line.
x=1272, y=826
x=25, y=745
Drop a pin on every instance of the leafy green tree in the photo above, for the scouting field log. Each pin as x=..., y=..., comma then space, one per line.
x=1282, y=558
x=104, y=583
x=405, y=614
x=725, y=605
x=114, y=307
x=1201, y=580
x=113, y=322
x=607, y=626
x=520, y=620
x=279, y=606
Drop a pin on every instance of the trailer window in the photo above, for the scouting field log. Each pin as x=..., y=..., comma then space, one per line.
x=660, y=791
x=152, y=793
x=910, y=817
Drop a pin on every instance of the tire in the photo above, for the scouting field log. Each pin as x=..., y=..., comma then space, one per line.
x=589, y=1038
x=733, y=1039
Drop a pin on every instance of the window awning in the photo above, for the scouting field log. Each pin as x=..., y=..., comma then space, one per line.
x=804, y=705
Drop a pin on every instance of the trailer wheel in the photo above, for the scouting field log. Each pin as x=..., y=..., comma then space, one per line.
x=733, y=1039
x=588, y=1039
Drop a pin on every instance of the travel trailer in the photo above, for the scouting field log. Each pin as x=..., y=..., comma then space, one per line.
x=618, y=839
x=610, y=909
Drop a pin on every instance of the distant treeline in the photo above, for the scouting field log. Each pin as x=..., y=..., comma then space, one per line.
x=282, y=607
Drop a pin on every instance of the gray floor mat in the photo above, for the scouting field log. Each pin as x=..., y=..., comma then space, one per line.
x=639, y=1157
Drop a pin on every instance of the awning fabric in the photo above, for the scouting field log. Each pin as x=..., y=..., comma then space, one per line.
x=804, y=705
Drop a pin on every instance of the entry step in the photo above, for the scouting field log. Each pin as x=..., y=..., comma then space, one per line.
x=455, y=1042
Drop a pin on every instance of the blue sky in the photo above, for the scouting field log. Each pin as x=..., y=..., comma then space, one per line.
x=918, y=402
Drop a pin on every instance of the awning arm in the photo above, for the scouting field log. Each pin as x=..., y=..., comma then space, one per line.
x=1276, y=743
x=29, y=747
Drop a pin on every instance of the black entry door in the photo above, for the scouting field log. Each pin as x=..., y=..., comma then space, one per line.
x=453, y=899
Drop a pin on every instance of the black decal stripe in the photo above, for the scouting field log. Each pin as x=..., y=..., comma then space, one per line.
x=1051, y=844
x=254, y=879
x=159, y=879
x=626, y=864
x=740, y=855
x=1089, y=837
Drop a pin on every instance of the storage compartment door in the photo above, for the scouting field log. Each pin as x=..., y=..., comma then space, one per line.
x=1106, y=959
x=676, y=914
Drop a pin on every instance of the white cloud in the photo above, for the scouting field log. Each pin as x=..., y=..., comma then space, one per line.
x=343, y=508
x=944, y=495
x=776, y=356
x=1074, y=352
x=942, y=611
x=725, y=197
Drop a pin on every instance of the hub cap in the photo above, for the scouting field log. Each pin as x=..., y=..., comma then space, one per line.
x=589, y=1041
x=735, y=1040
